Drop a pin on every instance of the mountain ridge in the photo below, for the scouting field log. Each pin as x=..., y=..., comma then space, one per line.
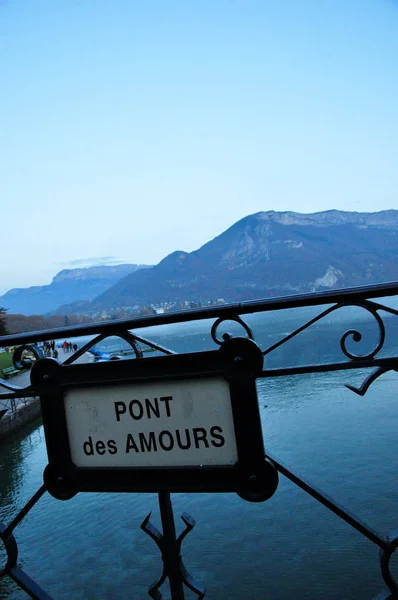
x=80, y=284
x=266, y=254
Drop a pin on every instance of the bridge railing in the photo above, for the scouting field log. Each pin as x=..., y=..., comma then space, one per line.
x=364, y=344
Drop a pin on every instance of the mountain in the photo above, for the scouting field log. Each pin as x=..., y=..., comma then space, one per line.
x=70, y=285
x=269, y=254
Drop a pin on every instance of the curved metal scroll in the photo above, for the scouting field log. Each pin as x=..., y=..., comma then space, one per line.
x=385, y=557
x=227, y=336
x=185, y=577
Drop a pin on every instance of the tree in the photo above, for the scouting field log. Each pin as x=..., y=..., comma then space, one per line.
x=3, y=324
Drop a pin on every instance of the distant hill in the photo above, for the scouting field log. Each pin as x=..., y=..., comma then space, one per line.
x=268, y=254
x=68, y=286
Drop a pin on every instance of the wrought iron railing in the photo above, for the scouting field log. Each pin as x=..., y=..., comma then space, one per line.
x=378, y=360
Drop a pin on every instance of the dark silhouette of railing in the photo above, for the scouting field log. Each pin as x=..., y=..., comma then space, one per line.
x=169, y=544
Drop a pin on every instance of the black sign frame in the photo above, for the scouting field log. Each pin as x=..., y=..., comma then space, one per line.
x=239, y=361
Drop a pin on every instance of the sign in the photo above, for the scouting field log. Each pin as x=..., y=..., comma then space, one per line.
x=159, y=424
x=176, y=423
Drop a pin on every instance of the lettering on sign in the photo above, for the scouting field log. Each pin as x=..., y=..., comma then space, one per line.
x=157, y=424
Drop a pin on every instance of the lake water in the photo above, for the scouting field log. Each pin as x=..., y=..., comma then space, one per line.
x=288, y=547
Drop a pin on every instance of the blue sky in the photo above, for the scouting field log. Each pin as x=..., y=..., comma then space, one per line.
x=131, y=129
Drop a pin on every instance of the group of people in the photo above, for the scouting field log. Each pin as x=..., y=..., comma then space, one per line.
x=50, y=349
x=69, y=347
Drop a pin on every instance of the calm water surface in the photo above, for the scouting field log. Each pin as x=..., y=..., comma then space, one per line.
x=289, y=547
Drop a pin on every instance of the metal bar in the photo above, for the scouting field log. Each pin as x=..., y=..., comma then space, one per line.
x=388, y=309
x=131, y=340
x=171, y=556
x=15, y=391
x=84, y=349
x=21, y=393
x=366, y=363
x=154, y=346
x=28, y=585
x=300, y=329
x=331, y=504
x=24, y=511
x=252, y=306
x=10, y=386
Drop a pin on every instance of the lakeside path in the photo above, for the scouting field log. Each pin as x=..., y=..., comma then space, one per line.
x=23, y=380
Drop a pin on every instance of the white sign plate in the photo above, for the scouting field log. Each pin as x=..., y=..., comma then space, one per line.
x=158, y=424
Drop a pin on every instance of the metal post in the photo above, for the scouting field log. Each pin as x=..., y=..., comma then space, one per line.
x=171, y=556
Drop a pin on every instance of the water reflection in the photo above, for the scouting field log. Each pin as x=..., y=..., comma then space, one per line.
x=14, y=450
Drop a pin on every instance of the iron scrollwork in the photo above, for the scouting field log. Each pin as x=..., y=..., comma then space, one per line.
x=385, y=557
x=167, y=541
x=24, y=356
x=226, y=336
x=168, y=555
x=357, y=336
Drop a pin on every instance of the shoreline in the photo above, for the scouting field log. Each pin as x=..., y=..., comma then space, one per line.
x=27, y=409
